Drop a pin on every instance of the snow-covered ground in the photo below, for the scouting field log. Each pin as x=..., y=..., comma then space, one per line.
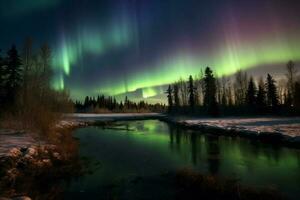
x=286, y=126
x=70, y=123
x=10, y=139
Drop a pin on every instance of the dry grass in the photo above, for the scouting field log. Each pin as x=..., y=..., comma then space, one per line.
x=37, y=114
x=9, y=121
x=43, y=181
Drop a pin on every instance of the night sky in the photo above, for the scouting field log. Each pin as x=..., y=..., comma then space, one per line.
x=118, y=46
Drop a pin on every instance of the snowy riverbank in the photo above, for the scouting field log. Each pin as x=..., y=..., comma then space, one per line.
x=19, y=139
x=10, y=139
x=286, y=130
x=274, y=129
x=25, y=155
x=285, y=126
x=21, y=151
x=89, y=117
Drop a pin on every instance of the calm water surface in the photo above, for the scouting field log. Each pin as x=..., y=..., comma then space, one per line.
x=120, y=156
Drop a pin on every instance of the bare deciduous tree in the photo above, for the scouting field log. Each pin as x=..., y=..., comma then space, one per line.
x=240, y=87
x=291, y=79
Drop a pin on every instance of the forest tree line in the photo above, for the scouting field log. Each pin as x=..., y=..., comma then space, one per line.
x=26, y=95
x=103, y=104
x=239, y=94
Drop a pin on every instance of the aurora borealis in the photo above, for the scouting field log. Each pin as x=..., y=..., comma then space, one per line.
x=119, y=46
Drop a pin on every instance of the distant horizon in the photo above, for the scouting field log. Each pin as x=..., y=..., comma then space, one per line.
x=137, y=95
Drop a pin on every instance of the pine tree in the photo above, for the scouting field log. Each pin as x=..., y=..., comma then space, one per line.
x=251, y=94
x=86, y=102
x=176, y=95
x=261, y=97
x=191, y=90
x=272, y=96
x=210, y=90
x=14, y=74
x=170, y=99
x=126, y=103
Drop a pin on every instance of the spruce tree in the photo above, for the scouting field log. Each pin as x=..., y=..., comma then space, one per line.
x=251, y=94
x=261, y=97
x=86, y=102
x=191, y=90
x=272, y=96
x=14, y=74
x=210, y=90
x=126, y=102
x=170, y=99
x=176, y=95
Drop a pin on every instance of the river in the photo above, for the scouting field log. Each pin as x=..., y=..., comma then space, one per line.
x=128, y=159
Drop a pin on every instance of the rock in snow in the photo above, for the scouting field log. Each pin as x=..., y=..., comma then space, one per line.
x=31, y=151
x=14, y=152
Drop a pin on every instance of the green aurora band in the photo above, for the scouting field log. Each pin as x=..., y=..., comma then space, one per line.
x=227, y=36
x=231, y=56
x=96, y=42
